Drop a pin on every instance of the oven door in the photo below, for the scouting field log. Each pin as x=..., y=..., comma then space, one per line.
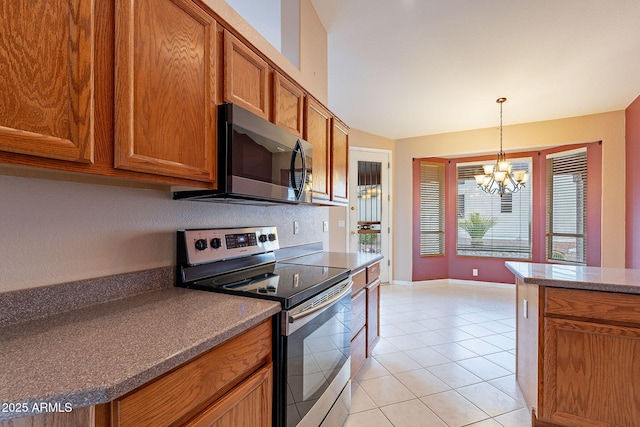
x=318, y=341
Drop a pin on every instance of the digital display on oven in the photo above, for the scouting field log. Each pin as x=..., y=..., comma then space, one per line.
x=241, y=240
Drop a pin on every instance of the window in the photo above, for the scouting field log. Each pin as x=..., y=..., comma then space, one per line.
x=460, y=208
x=493, y=226
x=431, y=208
x=506, y=203
x=567, y=206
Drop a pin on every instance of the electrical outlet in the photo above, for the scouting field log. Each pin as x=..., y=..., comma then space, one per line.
x=325, y=226
x=296, y=227
x=525, y=308
x=474, y=272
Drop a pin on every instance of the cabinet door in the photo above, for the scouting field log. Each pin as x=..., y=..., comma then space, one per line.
x=46, y=79
x=246, y=77
x=318, y=134
x=591, y=374
x=373, y=316
x=165, y=88
x=288, y=106
x=249, y=404
x=339, y=162
x=358, y=352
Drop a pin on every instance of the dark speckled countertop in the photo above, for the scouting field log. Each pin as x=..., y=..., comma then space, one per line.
x=95, y=354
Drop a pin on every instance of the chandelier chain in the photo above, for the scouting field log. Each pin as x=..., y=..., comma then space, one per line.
x=499, y=178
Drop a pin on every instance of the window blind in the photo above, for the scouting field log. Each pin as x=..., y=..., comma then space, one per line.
x=432, y=199
x=490, y=225
x=567, y=206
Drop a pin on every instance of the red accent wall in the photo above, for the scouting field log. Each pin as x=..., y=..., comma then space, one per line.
x=632, y=154
x=453, y=266
x=433, y=267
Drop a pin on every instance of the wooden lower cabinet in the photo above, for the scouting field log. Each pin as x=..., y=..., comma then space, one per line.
x=358, y=331
x=373, y=315
x=358, y=352
x=365, y=315
x=194, y=389
x=249, y=404
x=577, y=356
x=591, y=374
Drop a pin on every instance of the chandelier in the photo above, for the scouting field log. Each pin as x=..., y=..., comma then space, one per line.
x=498, y=178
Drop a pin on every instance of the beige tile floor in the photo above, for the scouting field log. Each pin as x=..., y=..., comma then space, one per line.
x=446, y=357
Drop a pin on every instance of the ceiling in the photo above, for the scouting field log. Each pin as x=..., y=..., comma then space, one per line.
x=408, y=68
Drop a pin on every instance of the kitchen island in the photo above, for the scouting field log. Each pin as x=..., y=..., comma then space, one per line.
x=578, y=344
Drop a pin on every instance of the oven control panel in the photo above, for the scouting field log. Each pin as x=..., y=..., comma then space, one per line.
x=215, y=244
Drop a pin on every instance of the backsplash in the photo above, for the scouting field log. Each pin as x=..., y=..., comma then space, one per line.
x=56, y=231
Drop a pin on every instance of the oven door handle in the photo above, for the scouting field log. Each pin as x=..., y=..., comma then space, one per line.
x=308, y=313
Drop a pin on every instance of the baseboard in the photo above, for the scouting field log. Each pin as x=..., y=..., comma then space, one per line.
x=453, y=282
x=479, y=283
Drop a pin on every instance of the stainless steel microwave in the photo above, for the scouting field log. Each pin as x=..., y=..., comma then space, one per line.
x=258, y=162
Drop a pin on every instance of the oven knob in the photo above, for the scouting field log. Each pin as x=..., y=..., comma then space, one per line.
x=216, y=243
x=272, y=237
x=201, y=244
x=262, y=238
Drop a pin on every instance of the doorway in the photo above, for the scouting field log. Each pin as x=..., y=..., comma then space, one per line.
x=370, y=205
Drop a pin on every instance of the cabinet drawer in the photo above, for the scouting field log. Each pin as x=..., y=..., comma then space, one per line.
x=195, y=384
x=373, y=272
x=358, y=312
x=607, y=306
x=359, y=281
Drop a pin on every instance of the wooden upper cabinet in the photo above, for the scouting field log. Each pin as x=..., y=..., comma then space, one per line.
x=46, y=79
x=165, y=88
x=318, y=134
x=339, y=161
x=288, y=108
x=246, y=77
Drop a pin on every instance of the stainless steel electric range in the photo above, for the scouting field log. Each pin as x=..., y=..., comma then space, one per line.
x=312, y=332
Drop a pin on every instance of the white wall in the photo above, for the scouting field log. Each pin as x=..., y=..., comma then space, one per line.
x=56, y=232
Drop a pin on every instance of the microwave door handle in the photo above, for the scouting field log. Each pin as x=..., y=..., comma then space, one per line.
x=303, y=178
x=297, y=189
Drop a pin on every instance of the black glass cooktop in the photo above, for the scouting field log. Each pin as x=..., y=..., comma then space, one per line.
x=290, y=284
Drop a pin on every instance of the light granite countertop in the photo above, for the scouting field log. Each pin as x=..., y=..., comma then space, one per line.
x=93, y=355
x=578, y=277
